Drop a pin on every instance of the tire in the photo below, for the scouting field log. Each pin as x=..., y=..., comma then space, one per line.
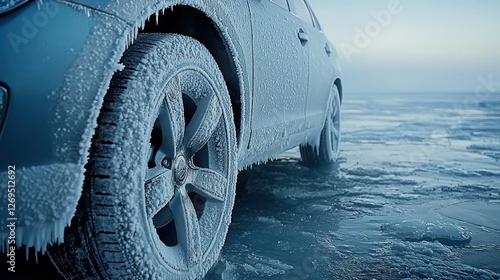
x=162, y=173
x=328, y=148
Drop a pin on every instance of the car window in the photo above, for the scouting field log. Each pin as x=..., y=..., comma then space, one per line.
x=282, y=3
x=315, y=19
x=302, y=11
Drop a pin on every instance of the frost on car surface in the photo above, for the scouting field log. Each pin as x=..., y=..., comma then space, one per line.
x=148, y=113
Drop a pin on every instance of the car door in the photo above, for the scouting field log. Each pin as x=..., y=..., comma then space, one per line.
x=320, y=65
x=281, y=75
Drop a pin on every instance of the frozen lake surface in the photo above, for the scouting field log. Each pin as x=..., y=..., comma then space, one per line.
x=415, y=194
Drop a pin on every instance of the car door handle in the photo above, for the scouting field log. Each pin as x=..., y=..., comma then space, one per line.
x=328, y=49
x=303, y=37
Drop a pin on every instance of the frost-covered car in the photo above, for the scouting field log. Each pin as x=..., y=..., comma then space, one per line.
x=124, y=124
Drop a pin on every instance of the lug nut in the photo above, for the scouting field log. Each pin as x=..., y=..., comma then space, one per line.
x=166, y=163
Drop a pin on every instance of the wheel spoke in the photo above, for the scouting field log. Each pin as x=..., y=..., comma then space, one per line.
x=158, y=191
x=172, y=118
x=208, y=183
x=187, y=227
x=335, y=109
x=336, y=132
x=203, y=124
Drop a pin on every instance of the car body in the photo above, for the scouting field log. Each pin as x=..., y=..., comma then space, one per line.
x=57, y=59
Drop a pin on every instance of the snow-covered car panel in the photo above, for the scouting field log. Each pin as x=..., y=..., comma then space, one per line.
x=280, y=100
x=33, y=47
x=52, y=117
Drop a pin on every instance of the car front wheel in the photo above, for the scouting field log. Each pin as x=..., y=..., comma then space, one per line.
x=162, y=172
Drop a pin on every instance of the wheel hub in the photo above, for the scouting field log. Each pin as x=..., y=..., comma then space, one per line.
x=180, y=170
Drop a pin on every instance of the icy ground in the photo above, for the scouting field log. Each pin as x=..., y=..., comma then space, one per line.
x=416, y=194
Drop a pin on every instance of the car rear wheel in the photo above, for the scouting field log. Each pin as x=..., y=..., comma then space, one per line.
x=162, y=173
x=327, y=150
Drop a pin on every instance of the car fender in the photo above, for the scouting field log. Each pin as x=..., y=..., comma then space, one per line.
x=58, y=117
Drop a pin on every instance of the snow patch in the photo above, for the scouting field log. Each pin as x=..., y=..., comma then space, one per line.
x=262, y=266
x=269, y=220
x=419, y=230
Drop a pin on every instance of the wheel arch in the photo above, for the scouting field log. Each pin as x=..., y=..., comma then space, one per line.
x=192, y=22
x=338, y=84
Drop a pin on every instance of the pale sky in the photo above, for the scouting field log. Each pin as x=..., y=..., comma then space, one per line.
x=423, y=46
